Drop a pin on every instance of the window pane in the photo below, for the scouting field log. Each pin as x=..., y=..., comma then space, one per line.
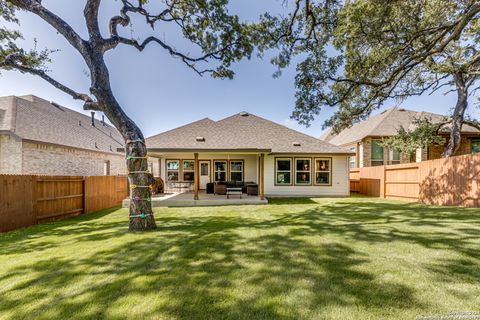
x=188, y=165
x=173, y=165
x=353, y=161
x=236, y=166
x=188, y=176
x=204, y=169
x=395, y=155
x=322, y=165
x=323, y=178
x=377, y=163
x=236, y=176
x=303, y=165
x=172, y=176
x=283, y=165
x=220, y=166
x=303, y=177
x=220, y=176
x=476, y=146
x=283, y=178
x=377, y=150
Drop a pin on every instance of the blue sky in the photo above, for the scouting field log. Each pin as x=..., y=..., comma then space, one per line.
x=159, y=92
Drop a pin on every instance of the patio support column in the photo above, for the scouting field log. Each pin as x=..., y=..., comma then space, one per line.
x=262, y=176
x=196, y=182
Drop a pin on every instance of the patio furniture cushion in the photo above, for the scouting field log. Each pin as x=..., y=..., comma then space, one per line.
x=252, y=190
x=220, y=188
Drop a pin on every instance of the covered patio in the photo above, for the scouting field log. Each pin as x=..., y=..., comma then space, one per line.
x=213, y=175
x=186, y=199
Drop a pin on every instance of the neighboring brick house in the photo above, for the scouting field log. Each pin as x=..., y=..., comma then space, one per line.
x=364, y=138
x=39, y=137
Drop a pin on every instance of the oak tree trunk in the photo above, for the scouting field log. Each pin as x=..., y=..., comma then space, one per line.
x=141, y=214
x=458, y=117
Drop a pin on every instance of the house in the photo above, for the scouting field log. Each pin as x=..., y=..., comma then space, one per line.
x=248, y=148
x=42, y=137
x=364, y=138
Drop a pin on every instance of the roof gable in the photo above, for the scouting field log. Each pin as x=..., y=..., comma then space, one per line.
x=33, y=118
x=386, y=124
x=242, y=131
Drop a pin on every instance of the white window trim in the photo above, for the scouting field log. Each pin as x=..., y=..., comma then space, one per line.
x=173, y=170
x=187, y=170
x=215, y=171
x=236, y=171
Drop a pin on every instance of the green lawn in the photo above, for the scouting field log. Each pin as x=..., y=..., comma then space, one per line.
x=354, y=258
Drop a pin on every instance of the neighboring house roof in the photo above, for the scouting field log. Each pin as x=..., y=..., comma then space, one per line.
x=387, y=124
x=32, y=118
x=240, y=132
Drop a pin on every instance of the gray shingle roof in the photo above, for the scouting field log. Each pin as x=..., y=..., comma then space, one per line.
x=33, y=118
x=386, y=124
x=241, y=131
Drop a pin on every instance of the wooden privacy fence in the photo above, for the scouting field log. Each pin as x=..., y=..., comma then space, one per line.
x=27, y=200
x=454, y=181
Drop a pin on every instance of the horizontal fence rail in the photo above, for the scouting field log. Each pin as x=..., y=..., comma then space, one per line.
x=26, y=200
x=453, y=181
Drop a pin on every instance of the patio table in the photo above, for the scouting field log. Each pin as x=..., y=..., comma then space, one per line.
x=231, y=191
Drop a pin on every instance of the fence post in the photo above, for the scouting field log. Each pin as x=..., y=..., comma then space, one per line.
x=384, y=181
x=84, y=194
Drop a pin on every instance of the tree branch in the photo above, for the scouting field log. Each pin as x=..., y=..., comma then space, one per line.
x=56, y=22
x=15, y=61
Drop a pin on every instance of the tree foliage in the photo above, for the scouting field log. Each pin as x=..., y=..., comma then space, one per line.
x=375, y=51
x=423, y=134
x=219, y=38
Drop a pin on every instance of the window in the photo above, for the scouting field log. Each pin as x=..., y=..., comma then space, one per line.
x=236, y=170
x=475, y=145
x=150, y=167
x=353, y=159
x=220, y=172
x=377, y=153
x=323, y=171
x=394, y=156
x=173, y=167
x=283, y=169
x=188, y=170
x=303, y=171
x=106, y=168
x=204, y=169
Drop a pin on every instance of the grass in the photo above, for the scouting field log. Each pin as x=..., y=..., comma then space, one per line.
x=354, y=258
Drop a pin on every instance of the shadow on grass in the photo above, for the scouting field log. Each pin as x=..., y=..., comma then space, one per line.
x=206, y=267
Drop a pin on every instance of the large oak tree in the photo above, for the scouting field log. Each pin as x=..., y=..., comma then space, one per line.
x=220, y=37
x=357, y=54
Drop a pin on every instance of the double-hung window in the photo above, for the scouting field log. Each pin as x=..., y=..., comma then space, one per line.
x=236, y=170
x=303, y=171
x=220, y=170
x=475, y=145
x=377, y=153
x=394, y=156
x=188, y=170
x=353, y=159
x=173, y=169
x=283, y=171
x=323, y=171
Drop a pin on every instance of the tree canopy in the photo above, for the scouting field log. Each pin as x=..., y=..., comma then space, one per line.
x=357, y=54
x=220, y=38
